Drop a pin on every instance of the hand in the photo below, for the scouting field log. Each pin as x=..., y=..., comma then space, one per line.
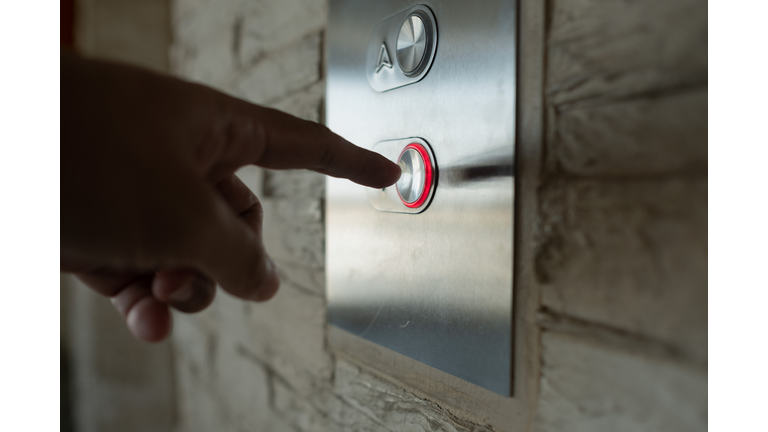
x=152, y=214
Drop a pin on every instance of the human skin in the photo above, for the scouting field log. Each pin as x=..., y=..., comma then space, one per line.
x=152, y=214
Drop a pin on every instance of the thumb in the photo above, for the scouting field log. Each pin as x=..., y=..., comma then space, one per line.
x=231, y=250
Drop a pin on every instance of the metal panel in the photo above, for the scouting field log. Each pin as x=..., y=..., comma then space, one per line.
x=435, y=286
x=383, y=67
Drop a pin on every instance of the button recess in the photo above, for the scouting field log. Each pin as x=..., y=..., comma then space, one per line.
x=416, y=182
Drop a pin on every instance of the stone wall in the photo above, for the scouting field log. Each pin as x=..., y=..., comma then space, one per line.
x=622, y=242
x=614, y=193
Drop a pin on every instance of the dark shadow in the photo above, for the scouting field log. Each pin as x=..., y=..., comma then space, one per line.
x=67, y=423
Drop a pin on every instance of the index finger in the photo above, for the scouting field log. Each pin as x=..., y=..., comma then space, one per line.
x=273, y=139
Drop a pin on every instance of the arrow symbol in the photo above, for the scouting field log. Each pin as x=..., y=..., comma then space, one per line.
x=383, y=60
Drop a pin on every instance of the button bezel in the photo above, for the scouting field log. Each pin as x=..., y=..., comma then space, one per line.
x=385, y=34
x=388, y=199
x=427, y=175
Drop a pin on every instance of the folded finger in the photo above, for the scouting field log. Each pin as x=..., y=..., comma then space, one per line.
x=228, y=246
x=186, y=290
x=246, y=205
x=238, y=196
x=147, y=318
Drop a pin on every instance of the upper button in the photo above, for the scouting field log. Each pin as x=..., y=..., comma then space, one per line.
x=412, y=43
x=402, y=49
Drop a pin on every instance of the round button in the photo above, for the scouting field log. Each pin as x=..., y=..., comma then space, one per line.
x=416, y=181
x=413, y=44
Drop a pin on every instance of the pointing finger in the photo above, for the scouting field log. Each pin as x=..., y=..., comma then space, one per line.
x=251, y=134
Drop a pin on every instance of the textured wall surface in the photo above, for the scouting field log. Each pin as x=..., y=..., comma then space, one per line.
x=621, y=238
x=622, y=249
x=133, y=31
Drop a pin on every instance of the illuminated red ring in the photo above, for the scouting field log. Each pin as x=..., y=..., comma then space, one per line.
x=427, y=175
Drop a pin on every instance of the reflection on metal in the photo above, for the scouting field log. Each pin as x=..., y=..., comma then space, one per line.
x=412, y=182
x=413, y=33
x=433, y=283
x=412, y=44
x=486, y=166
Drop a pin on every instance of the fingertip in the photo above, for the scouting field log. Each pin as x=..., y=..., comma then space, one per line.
x=380, y=174
x=149, y=320
x=390, y=171
x=395, y=172
x=271, y=283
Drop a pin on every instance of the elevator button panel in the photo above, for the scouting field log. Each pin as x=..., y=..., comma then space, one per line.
x=423, y=267
x=401, y=49
x=413, y=193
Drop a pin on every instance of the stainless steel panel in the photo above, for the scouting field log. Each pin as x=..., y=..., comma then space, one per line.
x=435, y=286
x=401, y=48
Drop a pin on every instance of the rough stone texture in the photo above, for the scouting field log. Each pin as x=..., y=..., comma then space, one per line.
x=588, y=387
x=133, y=31
x=232, y=44
x=621, y=255
x=651, y=135
x=393, y=407
x=268, y=25
x=359, y=401
x=204, y=47
x=626, y=86
x=603, y=50
x=290, y=70
x=630, y=255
